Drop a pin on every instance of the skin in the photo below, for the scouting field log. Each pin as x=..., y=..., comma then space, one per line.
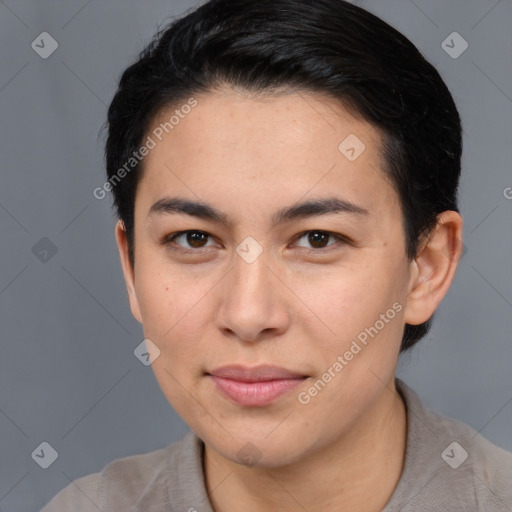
x=249, y=157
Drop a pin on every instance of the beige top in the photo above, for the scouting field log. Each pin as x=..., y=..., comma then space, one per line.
x=448, y=467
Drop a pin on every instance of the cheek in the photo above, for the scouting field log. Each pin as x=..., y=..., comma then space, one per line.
x=155, y=304
x=173, y=318
x=363, y=305
x=343, y=301
x=174, y=311
x=354, y=362
x=164, y=296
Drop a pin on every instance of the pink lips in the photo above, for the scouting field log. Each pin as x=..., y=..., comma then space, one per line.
x=257, y=386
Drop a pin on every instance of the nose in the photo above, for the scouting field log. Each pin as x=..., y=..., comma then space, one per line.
x=253, y=301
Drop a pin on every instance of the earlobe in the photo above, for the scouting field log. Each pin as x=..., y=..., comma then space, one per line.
x=128, y=270
x=433, y=269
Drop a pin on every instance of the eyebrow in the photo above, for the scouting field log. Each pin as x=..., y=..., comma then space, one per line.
x=205, y=211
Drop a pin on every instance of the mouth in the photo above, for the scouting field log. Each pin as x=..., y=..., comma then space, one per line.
x=254, y=387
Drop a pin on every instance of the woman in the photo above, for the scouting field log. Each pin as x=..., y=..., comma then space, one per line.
x=285, y=175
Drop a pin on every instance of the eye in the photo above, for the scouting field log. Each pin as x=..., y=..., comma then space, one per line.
x=318, y=239
x=196, y=240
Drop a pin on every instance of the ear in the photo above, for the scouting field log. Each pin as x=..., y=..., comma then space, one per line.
x=128, y=270
x=433, y=269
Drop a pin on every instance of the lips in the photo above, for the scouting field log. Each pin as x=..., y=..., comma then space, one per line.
x=256, y=374
x=258, y=386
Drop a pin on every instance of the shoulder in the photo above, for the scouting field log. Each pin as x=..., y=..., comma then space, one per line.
x=455, y=461
x=80, y=495
x=490, y=465
x=120, y=483
x=488, y=459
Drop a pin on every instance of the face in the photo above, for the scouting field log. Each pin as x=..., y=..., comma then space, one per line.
x=256, y=280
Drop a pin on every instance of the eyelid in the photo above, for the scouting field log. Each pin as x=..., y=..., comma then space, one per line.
x=168, y=239
x=341, y=241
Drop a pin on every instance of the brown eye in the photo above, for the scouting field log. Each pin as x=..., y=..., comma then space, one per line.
x=195, y=239
x=319, y=239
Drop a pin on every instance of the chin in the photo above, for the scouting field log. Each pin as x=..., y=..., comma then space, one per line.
x=257, y=449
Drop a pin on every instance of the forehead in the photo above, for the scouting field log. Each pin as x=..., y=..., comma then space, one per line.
x=275, y=148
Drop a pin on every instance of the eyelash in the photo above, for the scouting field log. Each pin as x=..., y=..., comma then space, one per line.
x=168, y=240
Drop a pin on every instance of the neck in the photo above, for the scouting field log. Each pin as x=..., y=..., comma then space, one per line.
x=359, y=471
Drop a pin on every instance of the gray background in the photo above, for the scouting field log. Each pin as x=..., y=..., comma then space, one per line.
x=68, y=375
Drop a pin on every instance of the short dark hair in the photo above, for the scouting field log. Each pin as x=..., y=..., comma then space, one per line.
x=326, y=46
